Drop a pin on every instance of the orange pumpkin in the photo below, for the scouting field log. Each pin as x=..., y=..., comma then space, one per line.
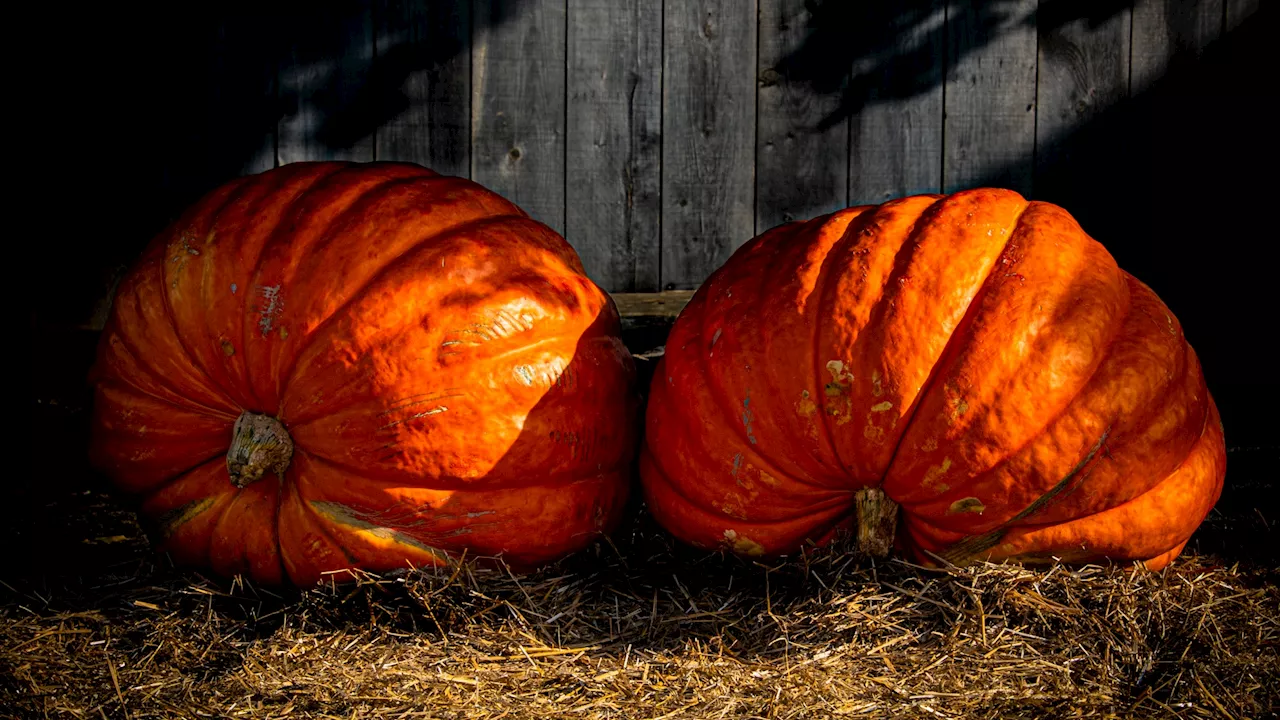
x=334, y=365
x=975, y=363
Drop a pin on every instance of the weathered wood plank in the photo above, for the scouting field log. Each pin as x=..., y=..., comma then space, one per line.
x=518, y=104
x=323, y=76
x=1165, y=29
x=614, y=140
x=708, y=136
x=802, y=159
x=1084, y=71
x=990, y=95
x=1240, y=10
x=895, y=136
x=652, y=304
x=423, y=66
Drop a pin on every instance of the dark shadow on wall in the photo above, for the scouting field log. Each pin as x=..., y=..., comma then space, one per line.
x=872, y=52
x=154, y=105
x=1173, y=181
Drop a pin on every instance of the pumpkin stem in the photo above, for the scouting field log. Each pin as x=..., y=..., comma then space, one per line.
x=259, y=443
x=877, y=521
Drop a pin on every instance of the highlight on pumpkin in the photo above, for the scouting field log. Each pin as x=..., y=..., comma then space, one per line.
x=964, y=377
x=334, y=365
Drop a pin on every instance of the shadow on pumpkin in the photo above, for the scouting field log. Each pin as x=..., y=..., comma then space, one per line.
x=1168, y=180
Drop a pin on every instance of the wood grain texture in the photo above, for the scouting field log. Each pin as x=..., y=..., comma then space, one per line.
x=708, y=145
x=518, y=104
x=990, y=96
x=652, y=304
x=1163, y=30
x=802, y=162
x=1238, y=11
x=1083, y=71
x=323, y=75
x=895, y=138
x=614, y=140
x=424, y=68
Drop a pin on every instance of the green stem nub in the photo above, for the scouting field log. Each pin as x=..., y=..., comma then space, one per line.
x=259, y=444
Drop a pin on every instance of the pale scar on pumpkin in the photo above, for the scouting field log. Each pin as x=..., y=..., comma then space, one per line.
x=743, y=544
x=969, y=504
x=350, y=517
x=877, y=389
x=876, y=432
x=172, y=520
x=840, y=378
x=933, y=475
x=271, y=306
x=183, y=253
x=806, y=407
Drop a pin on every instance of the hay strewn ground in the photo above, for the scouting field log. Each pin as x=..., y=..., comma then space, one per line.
x=93, y=625
x=644, y=629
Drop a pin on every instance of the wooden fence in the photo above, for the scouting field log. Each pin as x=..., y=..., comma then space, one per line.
x=657, y=136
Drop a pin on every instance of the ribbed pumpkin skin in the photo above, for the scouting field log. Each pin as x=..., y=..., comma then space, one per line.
x=451, y=380
x=976, y=356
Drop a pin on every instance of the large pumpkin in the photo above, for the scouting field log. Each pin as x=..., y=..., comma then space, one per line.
x=333, y=365
x=974, y=359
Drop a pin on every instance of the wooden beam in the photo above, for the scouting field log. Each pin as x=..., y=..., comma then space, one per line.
x=666, y=304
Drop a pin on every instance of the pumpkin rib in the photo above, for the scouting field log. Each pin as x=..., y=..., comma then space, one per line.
x=322, y=326
x=194, y=512
x=828, y=518
x=319, y=522
x=836, y=499
x=971, y=546
x=1050, y=420
x=1203, y=444
x=282, y=366
x=295, y=497
x=1185, y=366
x=282, y=233
x=958, y=334
x=876, y=315
x=820, y=292
x=191, y=356
x=297, y=179
x=721, y=398
x=758, y=312
x=124, y=382
x=164, y=381
x=1204, y=428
